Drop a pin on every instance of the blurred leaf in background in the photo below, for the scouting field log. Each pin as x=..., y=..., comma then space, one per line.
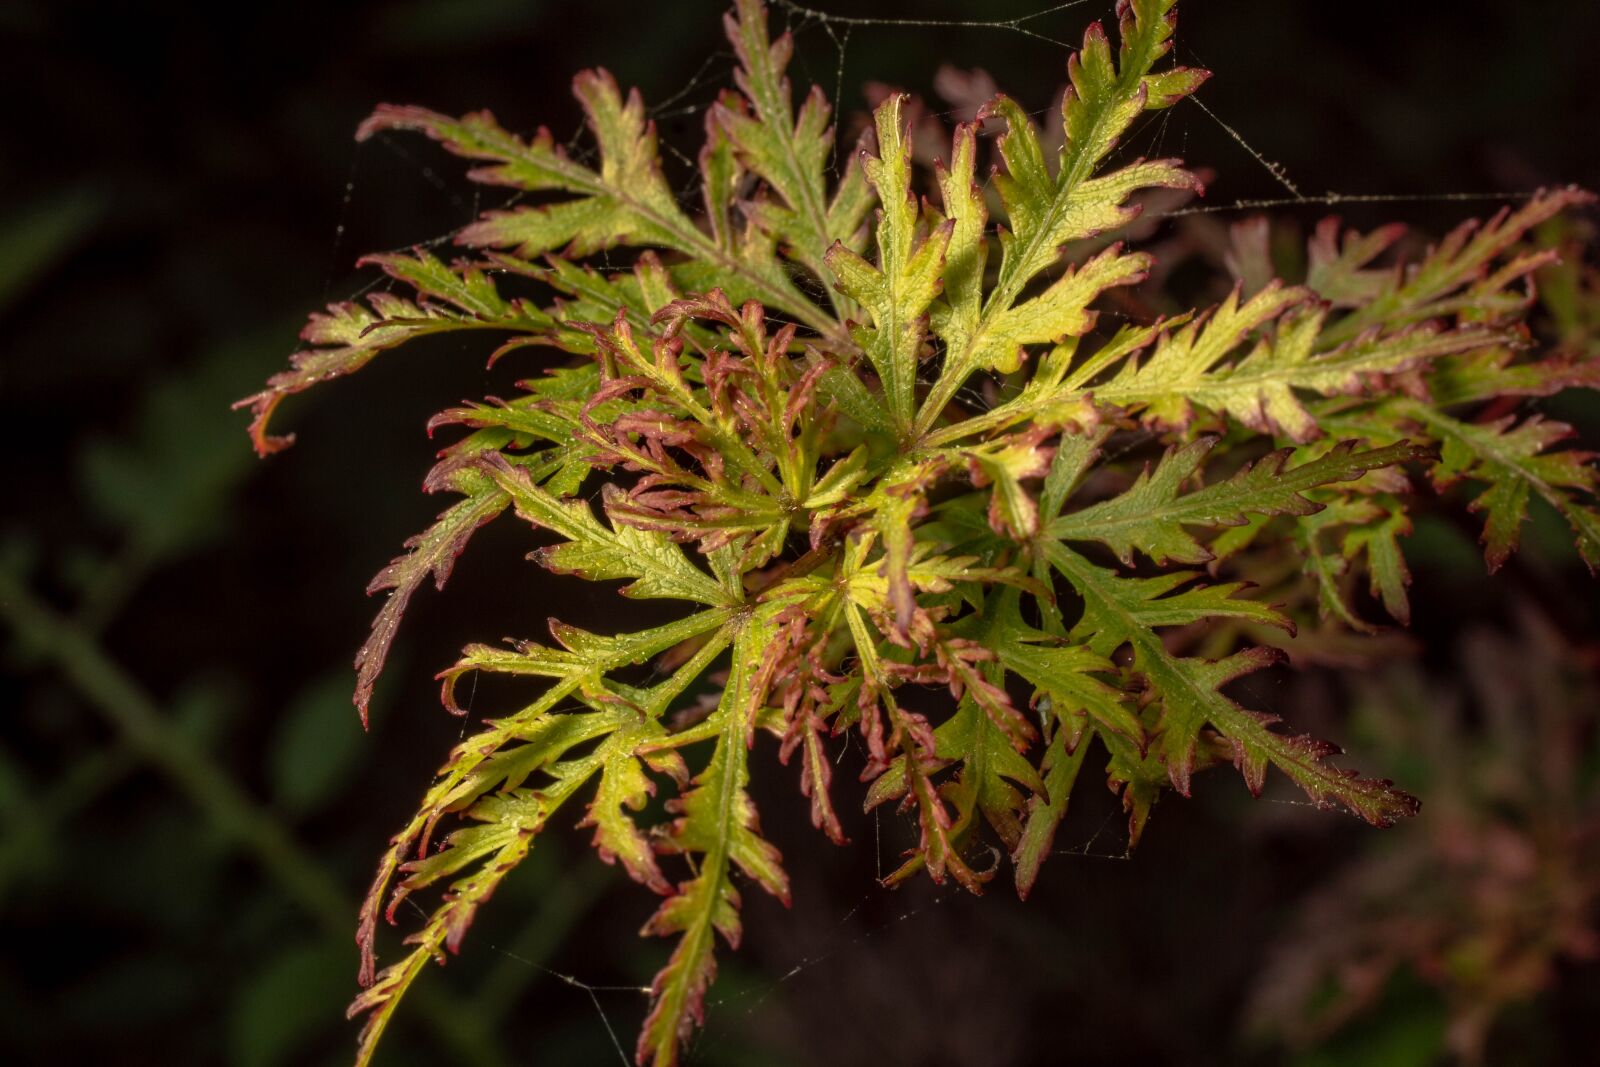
x=316, y=749
x=1439, y=930
x=38, y=235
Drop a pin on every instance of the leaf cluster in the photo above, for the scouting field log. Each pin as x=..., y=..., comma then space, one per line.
x=872, y=435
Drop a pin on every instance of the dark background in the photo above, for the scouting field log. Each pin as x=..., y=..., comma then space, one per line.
x=181, y=188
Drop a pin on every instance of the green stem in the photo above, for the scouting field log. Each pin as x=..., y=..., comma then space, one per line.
x=34, y=825
x=132, y=712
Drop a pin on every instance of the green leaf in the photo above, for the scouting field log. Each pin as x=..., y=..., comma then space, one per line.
x=1056, y=396
x=626, y=201
x=1007, y=462
x=1064, y=677
x=717, y=822
x=315, y=750
x=1388, y=575
x=509, y=821
x=167, y=484
x=1339, y=271
x=900, y=288
x=1121, y=611
x=894, y=505
x=966, y=255
x=1454, y=276
x=1329, y=568
x=1059, y=314
x=1497, y=371
x=349, y=335
x=789, y=153
x=1048, y=211
x=1047, y=808
x=514, y=747
x=38, y=234
x=430, y=553
x=1186, y=368
x=1516, y=462
x=550, y=410
x=624, y=787
x=280, y=1010
x=658, y=567
x=1105, y=98
x=990, y=764
x=1151, y=515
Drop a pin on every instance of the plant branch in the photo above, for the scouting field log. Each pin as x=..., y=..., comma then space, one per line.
x=143, y=726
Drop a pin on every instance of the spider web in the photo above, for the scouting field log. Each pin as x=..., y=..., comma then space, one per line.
x=828, y=53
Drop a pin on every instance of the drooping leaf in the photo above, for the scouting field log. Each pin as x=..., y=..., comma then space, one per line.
x=717, y=824
x=1129, y=611
x=431, y=553
x=348, y=336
